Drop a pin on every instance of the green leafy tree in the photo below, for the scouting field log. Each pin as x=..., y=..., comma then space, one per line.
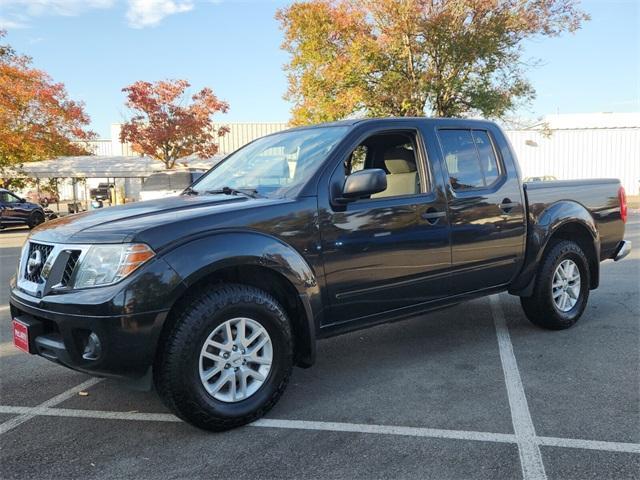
x=410, y=57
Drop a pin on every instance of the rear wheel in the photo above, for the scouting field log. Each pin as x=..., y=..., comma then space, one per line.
x=561, y=287
x=36, y=219
x=227, y=358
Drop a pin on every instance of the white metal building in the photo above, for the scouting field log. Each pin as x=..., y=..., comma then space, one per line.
x=579, y=146
x=601, y=145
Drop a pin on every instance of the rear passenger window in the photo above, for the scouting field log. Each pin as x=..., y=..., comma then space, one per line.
x=470, y=158
x=488, y=161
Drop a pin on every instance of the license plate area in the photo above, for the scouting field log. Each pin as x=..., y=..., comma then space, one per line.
x=21, y=335
x=25, y=331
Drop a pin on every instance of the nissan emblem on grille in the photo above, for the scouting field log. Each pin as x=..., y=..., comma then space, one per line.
x=35, y=262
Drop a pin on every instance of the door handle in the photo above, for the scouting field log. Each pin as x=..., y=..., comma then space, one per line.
x=432, y=216
x=507, y=205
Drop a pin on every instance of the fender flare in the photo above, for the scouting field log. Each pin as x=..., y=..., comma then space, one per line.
x=200, y=257
x=542, y=227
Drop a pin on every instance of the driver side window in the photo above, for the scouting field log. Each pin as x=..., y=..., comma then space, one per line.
x=395, y=153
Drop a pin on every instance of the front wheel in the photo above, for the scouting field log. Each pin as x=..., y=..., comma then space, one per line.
x=561, y=287
x=36, y=219
x=227, y=358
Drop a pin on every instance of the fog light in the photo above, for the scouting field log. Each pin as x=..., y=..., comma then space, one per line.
x=93, y=348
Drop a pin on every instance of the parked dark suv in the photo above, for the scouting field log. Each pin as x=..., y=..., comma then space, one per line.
x=16, y=211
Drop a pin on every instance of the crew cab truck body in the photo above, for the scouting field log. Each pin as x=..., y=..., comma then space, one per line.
x=299, y=236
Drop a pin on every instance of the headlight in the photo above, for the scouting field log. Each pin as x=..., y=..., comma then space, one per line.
x=107, y=264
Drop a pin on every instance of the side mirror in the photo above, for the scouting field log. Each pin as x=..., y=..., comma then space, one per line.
x=364, y=183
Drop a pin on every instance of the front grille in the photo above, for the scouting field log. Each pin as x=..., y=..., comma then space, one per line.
x=32, y=274
x=74, y=256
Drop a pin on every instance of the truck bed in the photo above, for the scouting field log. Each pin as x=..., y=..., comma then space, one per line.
x=598, y=196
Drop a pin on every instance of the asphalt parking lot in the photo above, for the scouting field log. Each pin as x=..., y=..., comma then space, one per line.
x=475, y=391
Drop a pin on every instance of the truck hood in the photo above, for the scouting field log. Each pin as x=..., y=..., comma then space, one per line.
x=125, y=223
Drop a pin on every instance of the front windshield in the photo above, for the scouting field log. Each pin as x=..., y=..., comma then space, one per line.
x=273, y=166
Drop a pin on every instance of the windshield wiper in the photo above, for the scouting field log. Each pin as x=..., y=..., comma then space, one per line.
x=248, y=192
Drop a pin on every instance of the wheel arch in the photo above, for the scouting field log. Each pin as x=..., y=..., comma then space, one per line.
x=257, y=260
x=564, y=220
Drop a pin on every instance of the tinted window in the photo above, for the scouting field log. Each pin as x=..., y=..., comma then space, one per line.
x=470, y=158
x=462, y=159
x=6, y=197
x=488, y=161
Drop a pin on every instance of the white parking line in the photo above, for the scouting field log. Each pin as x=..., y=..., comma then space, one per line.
x=589, y=444
x=334, y=427
x=4, y=308
x=387, y=430
x=530, y=457
x=14, y=422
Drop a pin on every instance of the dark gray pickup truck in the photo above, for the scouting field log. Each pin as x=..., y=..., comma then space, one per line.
x=216, y=294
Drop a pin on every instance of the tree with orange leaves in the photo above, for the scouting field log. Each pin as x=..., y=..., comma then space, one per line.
x=38, y=121
x=449, y=58
x=165, y=127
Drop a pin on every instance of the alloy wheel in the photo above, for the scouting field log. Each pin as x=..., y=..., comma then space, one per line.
x=566, y=285
x=235, y=360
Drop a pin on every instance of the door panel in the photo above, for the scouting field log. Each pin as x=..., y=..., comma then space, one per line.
x=487, y=220
x=385, y=254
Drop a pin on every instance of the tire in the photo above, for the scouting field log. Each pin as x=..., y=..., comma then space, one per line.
x=36, y=219
x=541, y=308
x=177, y=370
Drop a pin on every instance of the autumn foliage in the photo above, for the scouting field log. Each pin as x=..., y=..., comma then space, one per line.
x=166, y=126
x=37, y=119
x=412, y=57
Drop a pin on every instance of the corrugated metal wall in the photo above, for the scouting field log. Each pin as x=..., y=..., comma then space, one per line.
x=99, y=147
x=242, y=133
x=584, y=153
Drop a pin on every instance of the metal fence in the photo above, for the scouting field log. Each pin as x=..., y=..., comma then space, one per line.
x=242, y=133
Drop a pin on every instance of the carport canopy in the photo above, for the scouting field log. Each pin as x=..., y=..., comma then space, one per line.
x=107, y=167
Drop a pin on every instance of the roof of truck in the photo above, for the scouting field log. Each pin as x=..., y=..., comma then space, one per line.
x=359, y=121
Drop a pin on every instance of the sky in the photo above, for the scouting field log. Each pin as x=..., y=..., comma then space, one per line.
x=97, y=47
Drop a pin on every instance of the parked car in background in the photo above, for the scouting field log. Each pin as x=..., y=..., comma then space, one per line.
x=43, y=197
x=102, y=191
x=544, y=178
x=17, y=211
x=168, y=184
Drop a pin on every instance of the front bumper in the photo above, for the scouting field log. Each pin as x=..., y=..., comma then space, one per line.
x=126, y=318
x=126, y=342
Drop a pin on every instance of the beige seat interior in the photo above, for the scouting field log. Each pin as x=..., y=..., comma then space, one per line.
x=402, y=178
